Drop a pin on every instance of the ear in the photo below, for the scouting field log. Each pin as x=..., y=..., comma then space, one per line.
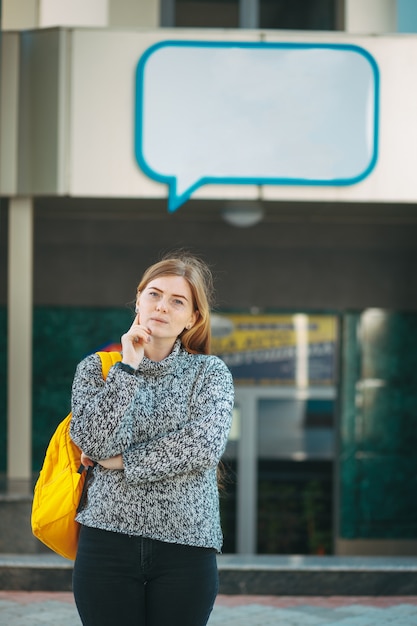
x=194, y=317
x=137, y=305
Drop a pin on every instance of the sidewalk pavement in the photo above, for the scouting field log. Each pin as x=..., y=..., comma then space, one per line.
x=25, y=608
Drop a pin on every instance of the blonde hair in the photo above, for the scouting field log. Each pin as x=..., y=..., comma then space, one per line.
x=196, y=340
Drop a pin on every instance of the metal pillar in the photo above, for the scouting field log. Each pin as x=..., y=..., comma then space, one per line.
x=249, y=14
x=247, y=486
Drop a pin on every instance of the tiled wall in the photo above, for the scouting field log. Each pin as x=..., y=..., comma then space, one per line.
x=62, y=337
x=378, y=406
x=378, y=426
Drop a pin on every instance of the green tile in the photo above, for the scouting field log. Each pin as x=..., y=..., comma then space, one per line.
x=378, y=426
x=62, y=337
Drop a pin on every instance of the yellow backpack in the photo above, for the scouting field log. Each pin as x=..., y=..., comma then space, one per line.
x=59, y=488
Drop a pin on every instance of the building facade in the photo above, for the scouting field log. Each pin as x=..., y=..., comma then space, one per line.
x=278, y=141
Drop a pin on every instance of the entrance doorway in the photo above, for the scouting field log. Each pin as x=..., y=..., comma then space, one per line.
x=282, y=447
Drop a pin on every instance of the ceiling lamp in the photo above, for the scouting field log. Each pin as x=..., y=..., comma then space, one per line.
x=242, y=214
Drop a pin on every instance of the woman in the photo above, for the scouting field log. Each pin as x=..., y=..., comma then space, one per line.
x=156, y=429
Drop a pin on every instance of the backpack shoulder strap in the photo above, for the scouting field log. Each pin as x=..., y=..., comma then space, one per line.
x=108, y=359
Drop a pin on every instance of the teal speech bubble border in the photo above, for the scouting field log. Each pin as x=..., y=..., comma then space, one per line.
x=176, y=200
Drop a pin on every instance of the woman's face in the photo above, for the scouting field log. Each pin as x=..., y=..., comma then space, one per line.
x=166, y=307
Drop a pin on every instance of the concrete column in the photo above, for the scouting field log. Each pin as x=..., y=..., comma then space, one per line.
x=370, y=16
x=26, y=14
x=20, y=303
x=73, y=13
x=146, y=13
x=9, y=113
x=19, y=14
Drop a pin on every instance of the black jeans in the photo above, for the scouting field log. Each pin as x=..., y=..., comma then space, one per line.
x=135, y=581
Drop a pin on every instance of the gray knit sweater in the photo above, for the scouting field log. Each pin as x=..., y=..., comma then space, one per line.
x=170, y=421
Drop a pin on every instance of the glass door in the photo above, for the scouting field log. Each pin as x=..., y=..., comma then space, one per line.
x=280, y=458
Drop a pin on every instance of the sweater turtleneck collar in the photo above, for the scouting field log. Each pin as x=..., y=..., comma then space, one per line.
x=157, y=368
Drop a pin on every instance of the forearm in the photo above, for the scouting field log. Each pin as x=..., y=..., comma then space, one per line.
x=102, y=412
x=198, y=444
x=195, y=447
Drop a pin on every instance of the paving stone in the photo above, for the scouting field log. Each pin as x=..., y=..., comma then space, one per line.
x=58, y=609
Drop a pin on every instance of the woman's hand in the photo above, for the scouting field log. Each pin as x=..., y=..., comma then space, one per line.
x=113, y=463
x=133, y=343
x=86, y=461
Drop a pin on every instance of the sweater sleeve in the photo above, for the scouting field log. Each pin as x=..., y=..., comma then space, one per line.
x=103, y=411
x=198, y=444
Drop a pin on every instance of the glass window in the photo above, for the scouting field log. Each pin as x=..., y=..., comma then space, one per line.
x=297, y=14
x=295, y=475
x=295, y=504
x=279, y=14
x=207, y=13
x=295, y=429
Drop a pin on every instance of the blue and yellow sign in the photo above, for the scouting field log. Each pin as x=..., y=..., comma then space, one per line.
x=277, y=349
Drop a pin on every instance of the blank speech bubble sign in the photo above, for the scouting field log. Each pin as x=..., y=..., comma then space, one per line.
x=255, y=113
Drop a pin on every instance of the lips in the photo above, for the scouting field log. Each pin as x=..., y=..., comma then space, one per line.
x=159, y=320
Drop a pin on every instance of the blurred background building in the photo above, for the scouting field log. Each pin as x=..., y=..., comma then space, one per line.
x=316, y=284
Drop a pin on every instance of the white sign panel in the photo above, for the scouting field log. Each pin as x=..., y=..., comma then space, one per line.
x=262, y=113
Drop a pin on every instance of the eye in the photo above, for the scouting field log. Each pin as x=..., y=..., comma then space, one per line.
x=178, y=302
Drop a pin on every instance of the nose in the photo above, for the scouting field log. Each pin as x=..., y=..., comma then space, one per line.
x=161, y=305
